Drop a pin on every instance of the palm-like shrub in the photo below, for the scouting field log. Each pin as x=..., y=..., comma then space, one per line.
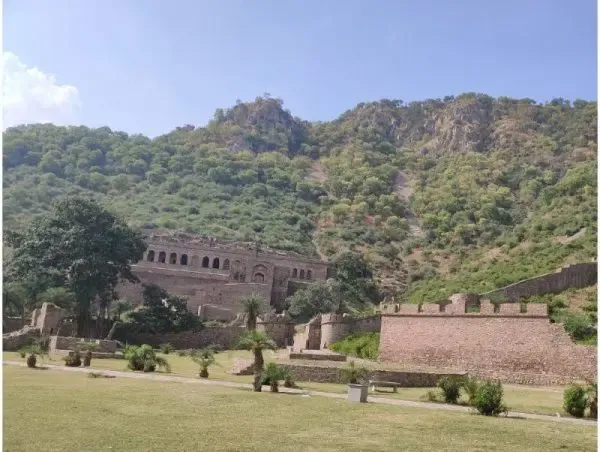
x=36, y=348
x=273, y=373
x=252, y=307
x=256, y=342
x=353, y=374
x=204, y=358
x=144, y=358
x=73, y=359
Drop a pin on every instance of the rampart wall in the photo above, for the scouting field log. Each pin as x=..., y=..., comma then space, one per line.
x=573, y=276
x=325, y=329
x=498, y=341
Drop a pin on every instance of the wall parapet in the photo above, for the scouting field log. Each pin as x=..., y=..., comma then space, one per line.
x=572, y=276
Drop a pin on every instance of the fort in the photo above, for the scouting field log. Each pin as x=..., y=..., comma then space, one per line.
x=213, y=275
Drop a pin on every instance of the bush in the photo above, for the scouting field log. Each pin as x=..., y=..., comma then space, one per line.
x=87, y=358
x=365, y=346
x=489, y=398
x=204, y=358
x=470, y=385
x=288, y=378
x=575, y=400
x=450, y=387
x=73, y=360
x=144, y=358
x=166, y=348
x=353, y=374
x=579, y=326
x=271, y=376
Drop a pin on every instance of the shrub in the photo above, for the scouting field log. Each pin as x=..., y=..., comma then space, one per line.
x=579, y=326
x=365, y=346
x=353, y=374
x=37, y=347
x=431, y=396
x=288, y=378
x=575, y=400
x=166, y=348
x=73, y=360
x=450, y=387
x=204, y=358
x=489, y=398
x=271, y=376
x=144, y=358
x=470, y=385
x=87, y=358
x=592, y=392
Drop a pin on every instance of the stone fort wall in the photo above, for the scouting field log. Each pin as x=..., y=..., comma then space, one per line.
x=218, y=274
x=573, y=276
x=497, y=342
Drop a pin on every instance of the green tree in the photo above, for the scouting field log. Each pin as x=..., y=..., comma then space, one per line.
x=163, y=313
x=80, y=246
x=257, y=342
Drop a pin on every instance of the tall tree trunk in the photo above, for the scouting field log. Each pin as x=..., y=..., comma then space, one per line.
x=259, y=363
x=111, y=333
x=83, y=323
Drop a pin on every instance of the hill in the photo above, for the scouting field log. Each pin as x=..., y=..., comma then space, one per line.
x=461, y=193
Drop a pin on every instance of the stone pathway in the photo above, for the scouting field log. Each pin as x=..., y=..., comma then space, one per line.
x=230, y=384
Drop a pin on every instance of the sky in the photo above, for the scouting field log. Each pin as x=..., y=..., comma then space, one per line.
x=147, y=67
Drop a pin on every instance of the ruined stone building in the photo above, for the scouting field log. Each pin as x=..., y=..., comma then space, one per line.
x=214, y=275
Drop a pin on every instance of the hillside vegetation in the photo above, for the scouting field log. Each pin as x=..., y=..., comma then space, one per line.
x=464, y=193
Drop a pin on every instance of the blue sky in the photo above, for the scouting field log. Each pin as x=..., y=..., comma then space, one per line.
x=146, y=67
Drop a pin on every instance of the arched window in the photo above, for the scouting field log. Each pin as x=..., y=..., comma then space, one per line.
x=162, y=257
x=215, y=262
x=226, y=264
x=194, y=261
x=301, y=274
x=205, y=262
x=308, y=275
x=150, y=256
x=183, y=260
x=173, y=258
x=295, y=273
x=259, y=278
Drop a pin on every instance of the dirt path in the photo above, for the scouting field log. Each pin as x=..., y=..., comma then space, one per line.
x=230, y=384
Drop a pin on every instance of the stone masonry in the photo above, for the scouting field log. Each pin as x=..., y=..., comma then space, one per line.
x=216, y=275
x=497, y=341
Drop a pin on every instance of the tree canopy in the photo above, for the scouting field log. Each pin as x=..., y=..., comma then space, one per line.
x=78, y=246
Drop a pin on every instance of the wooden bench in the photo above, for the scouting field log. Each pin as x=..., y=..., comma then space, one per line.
x=384, y=384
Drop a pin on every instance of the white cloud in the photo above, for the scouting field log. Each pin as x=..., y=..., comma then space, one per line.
x=33, y=96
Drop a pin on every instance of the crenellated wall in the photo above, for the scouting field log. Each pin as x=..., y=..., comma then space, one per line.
x=325, y=329
x=497, y=341
x=573, y=276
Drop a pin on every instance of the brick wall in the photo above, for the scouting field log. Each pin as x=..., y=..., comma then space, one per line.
x=486, y=343
x=573, y=276
x=323, y=374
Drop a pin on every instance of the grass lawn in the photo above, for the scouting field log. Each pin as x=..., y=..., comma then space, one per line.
x=537, y=400
x=50, y=410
